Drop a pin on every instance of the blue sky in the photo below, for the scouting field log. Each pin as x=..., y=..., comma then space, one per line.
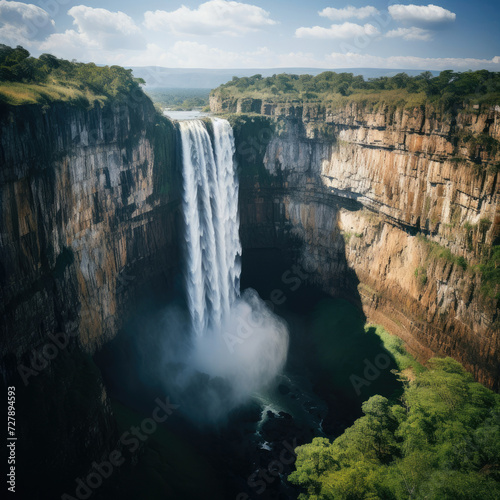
x=459, y=35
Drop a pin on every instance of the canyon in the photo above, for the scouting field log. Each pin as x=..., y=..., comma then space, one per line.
x=366, y=200
x=389, y=196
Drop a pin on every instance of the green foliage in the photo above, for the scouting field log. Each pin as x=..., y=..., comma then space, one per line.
x=488, y=269
x=484, y=225
x=348, y=235
x=25, y=79
x=179, y=99
x=481, y=142
x=441, y=442
x=447, y=91
x=490, y=273
x=421, y=275
x=437, y=251
x=396, y=347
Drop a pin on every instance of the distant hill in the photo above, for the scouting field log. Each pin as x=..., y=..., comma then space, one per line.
x=197, y=78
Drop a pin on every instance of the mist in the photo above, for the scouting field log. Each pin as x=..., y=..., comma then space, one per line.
x=211, y=374
x=226, y=346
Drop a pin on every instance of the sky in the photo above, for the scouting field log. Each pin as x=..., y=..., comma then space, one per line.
x=450, y=34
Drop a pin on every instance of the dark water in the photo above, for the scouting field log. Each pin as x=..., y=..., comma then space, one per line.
x=249, y=455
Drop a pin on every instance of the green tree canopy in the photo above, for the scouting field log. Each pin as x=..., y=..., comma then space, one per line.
x=442, y=442
x=16, y=65
x=449, y=88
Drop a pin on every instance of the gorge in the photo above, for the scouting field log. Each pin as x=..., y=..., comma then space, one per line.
x=233, y=338
x=388, y=194
x=380, y=206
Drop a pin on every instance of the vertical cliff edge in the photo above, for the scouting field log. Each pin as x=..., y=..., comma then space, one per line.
x=393, y=207
x=89, y=210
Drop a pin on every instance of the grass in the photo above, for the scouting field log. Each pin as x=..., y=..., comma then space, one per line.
x=373, y=99
x=376, y=100
x=30, y=80
x=490, y=273
x=437, y=251
x=421, y=275
x=17, y=93
x=348, y=235
x=395, y=346
x=488, y=268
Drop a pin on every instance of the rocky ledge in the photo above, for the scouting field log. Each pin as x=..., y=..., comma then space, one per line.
x=407, y=199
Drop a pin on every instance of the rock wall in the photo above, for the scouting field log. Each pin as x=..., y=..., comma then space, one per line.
x=407, y=199
x=89, y=219
x=85, y=205
x=369, y=200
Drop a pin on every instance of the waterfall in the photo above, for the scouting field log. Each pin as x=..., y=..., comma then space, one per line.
x=233, y=345
x=212, y=226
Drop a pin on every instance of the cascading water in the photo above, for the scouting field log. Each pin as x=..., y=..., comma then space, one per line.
x=236, y=344
x=211, y=217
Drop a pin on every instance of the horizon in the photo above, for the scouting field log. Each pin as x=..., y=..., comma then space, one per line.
x=201, y=78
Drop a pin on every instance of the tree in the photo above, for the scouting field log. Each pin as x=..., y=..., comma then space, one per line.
x=437, y=445
x=344, y=89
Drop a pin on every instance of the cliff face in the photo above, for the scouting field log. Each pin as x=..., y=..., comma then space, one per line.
x=391, y=208
x=89, y=217
x=406, y=199
x=84, y=197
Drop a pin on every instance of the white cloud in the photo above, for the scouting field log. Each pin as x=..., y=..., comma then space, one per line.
x=97, y=29
x=412, y=33
x=352, y=60
x=99, y=21
x=422, y=14
x=216, y=17
x=337, y=31
x=22, y=23
x=348, y=12
x=190, y=54
x=70, y=45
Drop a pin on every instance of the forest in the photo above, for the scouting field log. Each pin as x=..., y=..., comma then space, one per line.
x=440, y=440
x=27, y=80
x=447, y=89
x=179, y=99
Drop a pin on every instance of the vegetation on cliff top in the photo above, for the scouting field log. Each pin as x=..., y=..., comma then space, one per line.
x=442, y=441
x=42, y=80
x=445, y=91
x=179, y=99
